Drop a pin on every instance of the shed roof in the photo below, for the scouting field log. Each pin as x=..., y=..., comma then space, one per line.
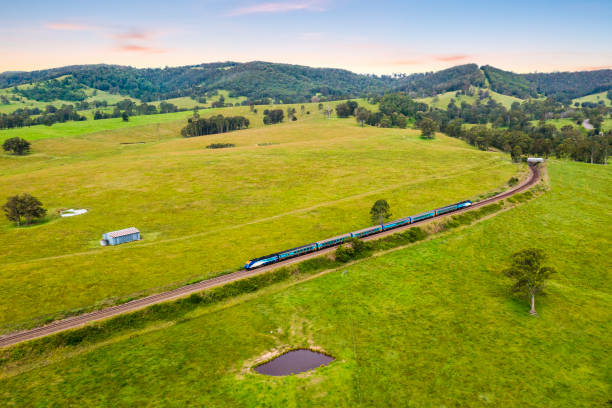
x=120, y=233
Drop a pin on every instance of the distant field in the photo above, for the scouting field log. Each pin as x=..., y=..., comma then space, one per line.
x=202, y=212
x=595, y=98
x=441, y=101
x=71, y=129
x=428, y=326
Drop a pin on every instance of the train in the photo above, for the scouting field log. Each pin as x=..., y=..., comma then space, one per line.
x=340, y=239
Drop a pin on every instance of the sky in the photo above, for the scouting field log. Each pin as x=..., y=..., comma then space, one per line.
x=376, y=37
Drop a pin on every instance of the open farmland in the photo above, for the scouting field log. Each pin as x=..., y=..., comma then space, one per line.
x=429, y=325
x=201, y=211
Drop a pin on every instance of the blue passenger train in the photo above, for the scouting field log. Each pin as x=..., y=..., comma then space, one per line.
x=331, y=242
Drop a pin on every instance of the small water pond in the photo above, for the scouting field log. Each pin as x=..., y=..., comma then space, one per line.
x=293, y=362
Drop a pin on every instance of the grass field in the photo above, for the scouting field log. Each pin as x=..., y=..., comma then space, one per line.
x=441, y=101
x=202, y=212
x=431, y=325
x=594, y=98
x=174, y=121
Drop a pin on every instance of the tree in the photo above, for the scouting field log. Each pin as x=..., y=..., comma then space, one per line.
x=428, y=128
x=125, y=116
x=516, y=153
x=16, y=145
x=528, y=273
x=380, y=211
x=25, y=206
x=361, y=115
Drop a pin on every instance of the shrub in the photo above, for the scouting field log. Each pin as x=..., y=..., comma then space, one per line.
x=220, y=145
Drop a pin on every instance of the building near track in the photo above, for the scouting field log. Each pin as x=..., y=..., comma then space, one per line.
x=533, y=160
x=120, y=236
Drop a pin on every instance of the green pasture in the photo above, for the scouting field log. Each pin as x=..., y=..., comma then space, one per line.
x=177, y=120
x=202, y=212
x=594, y=98
x=430, y=325
x=441, y=101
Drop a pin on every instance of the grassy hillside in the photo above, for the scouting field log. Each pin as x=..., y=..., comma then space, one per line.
x=441, y=101
x=430, y=325
x=205, y=211
x=594, y=98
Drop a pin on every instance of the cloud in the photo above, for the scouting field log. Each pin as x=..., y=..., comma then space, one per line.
x=134, y=35
x=451, y=57
x=277, y=7
x=140, y=49
x=592, y=68
x=67, y=26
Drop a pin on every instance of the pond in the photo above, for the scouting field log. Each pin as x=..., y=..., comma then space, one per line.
x=293, y=362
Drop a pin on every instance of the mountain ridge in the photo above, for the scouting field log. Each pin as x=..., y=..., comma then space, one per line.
x=258, y=80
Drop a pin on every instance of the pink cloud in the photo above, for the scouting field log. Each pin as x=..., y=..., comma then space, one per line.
x=596, y=68
x=67, y=26
x=140, y=48
x=279, y=7
x=452, y=57
x=134, y=35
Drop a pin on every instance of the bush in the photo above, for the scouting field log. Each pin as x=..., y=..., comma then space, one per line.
x=352, y=248
x=220, y=145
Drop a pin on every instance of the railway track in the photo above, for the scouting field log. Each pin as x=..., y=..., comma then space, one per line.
x=83, y=319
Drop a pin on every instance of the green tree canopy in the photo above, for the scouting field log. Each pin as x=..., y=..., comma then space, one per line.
x=23, y=206
x=16, y=145
x=380, y=211
x=428, y=128
x=528, y=274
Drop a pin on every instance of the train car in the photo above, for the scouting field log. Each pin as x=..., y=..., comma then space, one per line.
x=453, y=207
x=326, y=243
x=423, y=216
x=280, y=256
x=397, y=223
x=366, y=231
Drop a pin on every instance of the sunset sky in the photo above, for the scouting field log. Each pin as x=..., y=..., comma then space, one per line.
x=362, y=36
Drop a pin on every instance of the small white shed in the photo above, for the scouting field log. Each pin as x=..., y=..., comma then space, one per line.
x=534, y=160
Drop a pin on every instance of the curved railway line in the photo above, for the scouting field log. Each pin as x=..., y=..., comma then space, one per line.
x=83, y=319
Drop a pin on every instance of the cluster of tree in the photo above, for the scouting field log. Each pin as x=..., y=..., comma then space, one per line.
x=513, y=130
x=346, y=109
x=66, y=89
x=197, y=126
x=16, y=145
x=84, y=105
x=395, y=110
x=31, y=117
x=127, y=108
x=541, y=140
x=272, y=116
x=23, y=206
x=456, y=78
x=220, y=145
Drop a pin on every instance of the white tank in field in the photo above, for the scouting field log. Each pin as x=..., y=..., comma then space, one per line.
x=535, y=160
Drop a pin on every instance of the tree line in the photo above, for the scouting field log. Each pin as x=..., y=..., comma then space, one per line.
x=197, y=126
x=32, y=117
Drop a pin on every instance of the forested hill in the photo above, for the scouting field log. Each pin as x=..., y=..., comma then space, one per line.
x=295, y=83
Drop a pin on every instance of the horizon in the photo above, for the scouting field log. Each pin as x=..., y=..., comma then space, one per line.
x=310, y=66
x=396, y=37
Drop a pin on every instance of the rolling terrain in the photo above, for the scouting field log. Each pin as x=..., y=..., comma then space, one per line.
x=204, y=212
x=432, y=324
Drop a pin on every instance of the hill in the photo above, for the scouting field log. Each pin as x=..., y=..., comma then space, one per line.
x=258, y=81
